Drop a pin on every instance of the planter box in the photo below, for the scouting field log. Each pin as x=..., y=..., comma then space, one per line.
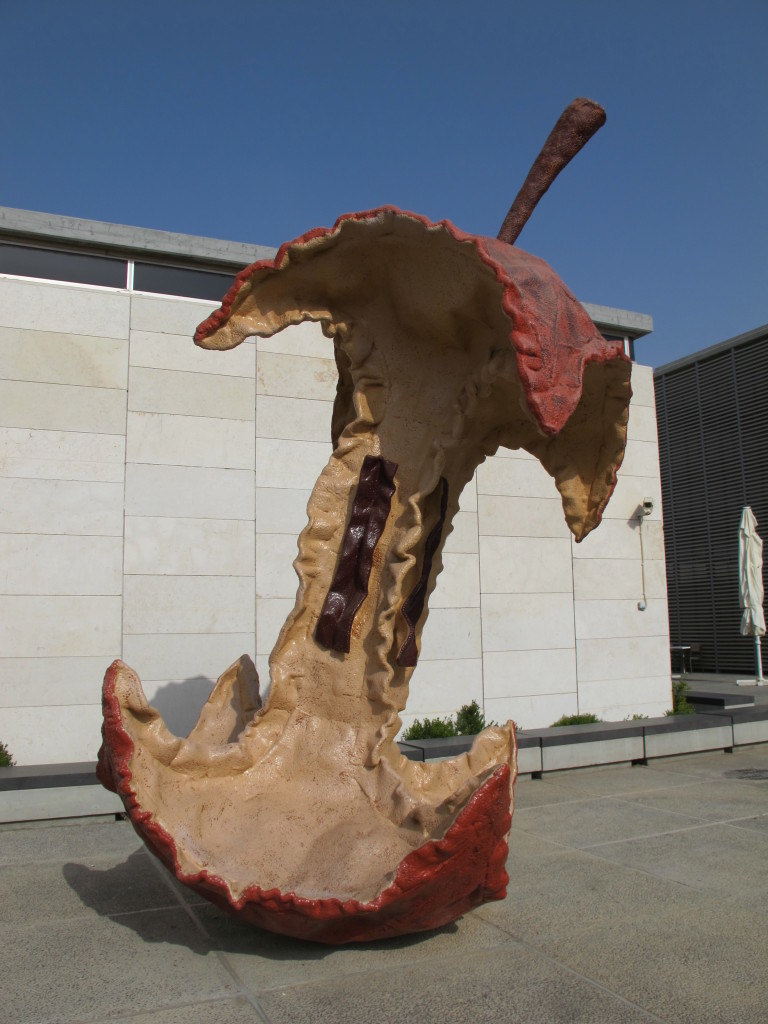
x=749, y=725
x=686, y=734
x=528, y=752
x=578, y=746
x=43, y=792
x=430, y=750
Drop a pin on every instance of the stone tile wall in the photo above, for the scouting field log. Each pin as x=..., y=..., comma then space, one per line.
x=152, y=493
x=64, y=357
x=188, y=600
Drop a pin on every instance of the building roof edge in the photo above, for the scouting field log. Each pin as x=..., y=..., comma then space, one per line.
x=712, y=350
x=101, y=234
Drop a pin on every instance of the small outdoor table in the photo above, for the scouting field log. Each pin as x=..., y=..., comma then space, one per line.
x=684, y=650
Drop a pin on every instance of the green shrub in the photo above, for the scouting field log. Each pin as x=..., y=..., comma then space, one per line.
x=680, y=705
x=469, y=721
x=5, y=757
x=576, y=720
x=430, y=729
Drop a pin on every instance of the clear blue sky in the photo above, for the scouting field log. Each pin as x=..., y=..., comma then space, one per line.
x=257, y=121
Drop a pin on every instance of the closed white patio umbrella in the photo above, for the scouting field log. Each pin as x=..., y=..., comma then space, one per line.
x=751, y=585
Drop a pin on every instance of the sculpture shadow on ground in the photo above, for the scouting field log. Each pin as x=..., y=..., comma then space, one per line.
x=131, y=893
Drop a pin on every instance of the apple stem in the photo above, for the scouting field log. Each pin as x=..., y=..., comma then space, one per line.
x=575, y=127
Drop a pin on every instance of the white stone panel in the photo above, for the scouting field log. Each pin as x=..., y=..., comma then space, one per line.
x=294, y=419
x=306, y=339
x=525, y=565
x=60, y=627
x=527, y=673
x=291, y=376
x=293, y=464
x=62, y=407
x=642, y=423
x=50, y=564
x=190, y=441
x=440, y=688
x=642, y=386
x=188, y=604
x=468, y=497
x=525, y=478
x=629, y=493
x=514, y=453
x=35, y=682
x=188, y=547
x=167, y=315
x=621, y=698
x=531, y=712
x=61, y=506
x=262, y=669
x=179, y=701
x=192, y=394
x=451, y=633
x=603, y=578
x=524, y=622
x=178, y=352
x=598, y=619
x=656, y=578
x=281, y=510
x=458, y=585
x=271, y=614
x=53, y=735
x=52, y=358
x=501, y=516
x=179, y=656
x=275, y=575
x=61, y=455
x=641, y=458
x=622, y=658
x=624, y=712
x=616, y=538
x=189, y=491
x=63, y=308
x=463, y=537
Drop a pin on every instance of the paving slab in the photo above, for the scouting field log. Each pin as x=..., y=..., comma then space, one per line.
x=687, y=968
x=726, y=799
x=265, y=960
x=90, y=968
x=583, y=823
x=714, y=858
x=512, y=983
x=590, y=783
x=57, y=844
x=636, y=894
x=55, y=892
x=216, y=1011
x=713, y=764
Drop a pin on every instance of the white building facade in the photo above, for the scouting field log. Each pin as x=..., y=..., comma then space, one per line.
x=152, y=493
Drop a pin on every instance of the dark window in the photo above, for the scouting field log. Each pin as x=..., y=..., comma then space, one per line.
x=192, y=284
x=28, y=261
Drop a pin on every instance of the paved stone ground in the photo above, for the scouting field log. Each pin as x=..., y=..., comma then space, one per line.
x=637, y=894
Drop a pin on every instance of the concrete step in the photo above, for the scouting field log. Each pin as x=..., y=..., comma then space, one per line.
x=706, y=700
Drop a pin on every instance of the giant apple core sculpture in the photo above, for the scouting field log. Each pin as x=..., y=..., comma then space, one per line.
x=302, y=816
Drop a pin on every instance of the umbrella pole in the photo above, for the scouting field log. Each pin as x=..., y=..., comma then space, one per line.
x=759, y=673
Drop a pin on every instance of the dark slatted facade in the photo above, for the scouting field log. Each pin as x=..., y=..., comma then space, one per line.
x=712, y=411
